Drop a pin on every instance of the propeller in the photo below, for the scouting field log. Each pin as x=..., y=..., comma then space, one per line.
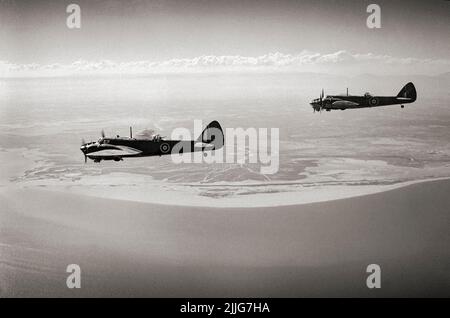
x=103, y=133
x=321, y=100
x=83, y=142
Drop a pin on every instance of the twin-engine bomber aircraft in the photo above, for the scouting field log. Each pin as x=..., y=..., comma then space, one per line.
x=405, y=96
x=117, y=148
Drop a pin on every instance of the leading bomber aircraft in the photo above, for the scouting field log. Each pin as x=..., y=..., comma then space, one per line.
x=117, y=148
x=406, y=95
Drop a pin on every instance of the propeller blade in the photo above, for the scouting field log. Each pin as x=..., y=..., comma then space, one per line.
x=103, y=133
x=85, y=158
x=82, y=141
x=321, y=99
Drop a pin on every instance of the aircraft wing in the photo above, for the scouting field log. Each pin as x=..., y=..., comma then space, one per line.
x=344, y=103
x=118, y=152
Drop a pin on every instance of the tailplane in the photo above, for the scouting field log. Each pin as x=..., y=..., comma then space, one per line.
x=213, y=134
x=408, y=91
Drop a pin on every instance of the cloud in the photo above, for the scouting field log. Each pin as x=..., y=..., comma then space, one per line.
x=342, y=62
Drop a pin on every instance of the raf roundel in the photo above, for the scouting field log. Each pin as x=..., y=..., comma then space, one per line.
x=164, y=148
x=373, y=101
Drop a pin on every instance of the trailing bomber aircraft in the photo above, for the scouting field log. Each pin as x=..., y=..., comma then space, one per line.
x=117, y=148
x=406, y=95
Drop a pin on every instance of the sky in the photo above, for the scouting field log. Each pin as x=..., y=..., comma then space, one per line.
x=157, y=31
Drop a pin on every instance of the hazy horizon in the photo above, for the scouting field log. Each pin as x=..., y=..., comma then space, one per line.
x=245, y=36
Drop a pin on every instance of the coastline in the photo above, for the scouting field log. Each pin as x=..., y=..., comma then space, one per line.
x=316, y=186
x=132, y=249
x=273, y=195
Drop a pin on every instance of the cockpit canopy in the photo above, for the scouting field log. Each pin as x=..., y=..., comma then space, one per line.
x=367, y=94
x=145, y=135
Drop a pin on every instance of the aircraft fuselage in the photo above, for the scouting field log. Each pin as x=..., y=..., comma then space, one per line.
x=117, y=148
x=406, y=95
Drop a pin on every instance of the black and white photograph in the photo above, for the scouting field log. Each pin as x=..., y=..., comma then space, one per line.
x=200, y=149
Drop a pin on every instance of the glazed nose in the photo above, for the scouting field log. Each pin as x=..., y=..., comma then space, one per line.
x=83, y=148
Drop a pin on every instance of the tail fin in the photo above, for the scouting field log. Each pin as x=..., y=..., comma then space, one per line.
x=408, y=91
x=213, y=134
